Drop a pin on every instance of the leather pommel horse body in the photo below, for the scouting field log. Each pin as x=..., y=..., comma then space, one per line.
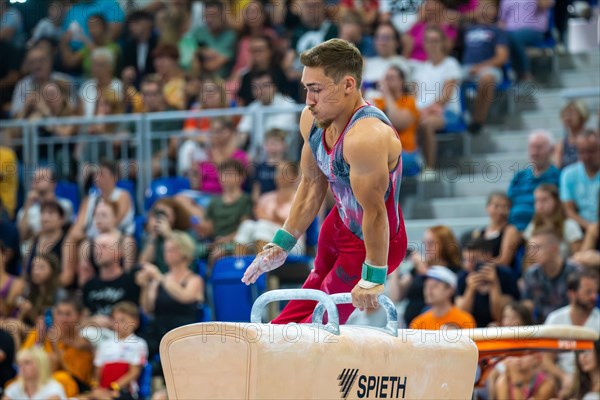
x=316, y=361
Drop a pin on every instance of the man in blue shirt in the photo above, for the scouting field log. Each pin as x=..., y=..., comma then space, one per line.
x=485, y=52
x=529, y=177
x=77, y=17
x=580, y=182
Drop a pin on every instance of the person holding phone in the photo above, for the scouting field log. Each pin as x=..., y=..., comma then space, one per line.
x=484, y=288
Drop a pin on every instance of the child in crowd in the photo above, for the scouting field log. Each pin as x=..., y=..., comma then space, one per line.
x=120, y=359
x=263, y=174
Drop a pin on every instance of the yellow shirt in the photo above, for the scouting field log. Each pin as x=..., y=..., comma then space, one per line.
x=9, y=180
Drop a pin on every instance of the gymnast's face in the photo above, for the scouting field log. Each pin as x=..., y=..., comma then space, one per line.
x=325, y=98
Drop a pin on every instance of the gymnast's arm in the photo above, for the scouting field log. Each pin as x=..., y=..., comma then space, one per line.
x=366, y=150
x=312, y=189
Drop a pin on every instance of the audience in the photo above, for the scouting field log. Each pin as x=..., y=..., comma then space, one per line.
x=484, y=287
x=574, y=115
x=485, y=54
x=549, y=213
x=523, y=379
x=589, y=254
x=502, y=236
x=34, y=380
x=387, y=45
x=437, y=81
x=540, y=170
x=11, y=288
x=582, y=290
x=263, y=173
x=587, y=379
x=7, y=359
x=545, y=283
x=137, y=50
x=50, y=239
x=439, y=289
x=580, y=182
x=171, y=297
x=43, y=289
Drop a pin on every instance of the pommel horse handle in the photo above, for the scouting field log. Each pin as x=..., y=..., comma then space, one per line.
x=322, y=298
x=346, y=298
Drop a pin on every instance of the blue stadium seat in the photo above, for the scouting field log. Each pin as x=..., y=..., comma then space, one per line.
x=312, y=233
x=70, y=191
x=138, y=232
x=145, y=382
x=163, y=187
x=204, y=311
x=232, y=299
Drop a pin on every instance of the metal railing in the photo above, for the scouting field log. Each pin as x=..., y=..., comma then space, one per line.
x=138, y=143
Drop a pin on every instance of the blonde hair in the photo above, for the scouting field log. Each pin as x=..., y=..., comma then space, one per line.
x=580, y=107
x=41, y=361
x=184, y=243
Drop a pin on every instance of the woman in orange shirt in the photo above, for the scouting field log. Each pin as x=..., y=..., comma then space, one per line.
x=400, y=106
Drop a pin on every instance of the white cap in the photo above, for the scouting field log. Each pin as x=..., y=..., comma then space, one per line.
x=442, y=274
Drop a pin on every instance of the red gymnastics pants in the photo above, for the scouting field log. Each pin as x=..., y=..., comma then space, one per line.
x=338, y=267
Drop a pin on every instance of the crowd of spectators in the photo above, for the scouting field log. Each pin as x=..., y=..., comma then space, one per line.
x=66, y=266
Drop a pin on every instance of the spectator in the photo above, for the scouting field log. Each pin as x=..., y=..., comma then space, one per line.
x=264, y=55
x=263, y=173
x=484, y=55
x=523, y=379
x=226, y=212
x=50, y=26
x=540, y=147
x=432, y=13
x=587, y=376
x=102, y=83
x=42, y=289
x=516, y=314
x=34, y=380
x=437, y=80
x=211, y=95
x=154, y=100
x=440, y=247
x=440, y=285
x=582, y=289
x=11, y=287
x=9, y=74
x=175, y=26
x=9, y=237
x=574, y=116
x=215, y=40
x=271, y=211
x=589, y=254
x=99, y=38
x=313, y=28
x=387, y=49
x=50, y=239
x=137, y=50
x=173, y=297
x=105, y=179
x=70, y=354
x=526, y=22
x=223, y=147
x=545, y=283
x=76, y=20
x=112, y=284
x=550, y=213
x=166, y=58
x=12, y=30
x=266, y=95
x=119, y=362
x=367, y=10
x=580, y=182
x=353, y=29
x=43, y=187
x=257, y=23
x=502, y=236
x=9, y=180
x=400, y=107
x=166, y=216
x=403, y=14
x=7, y=359
x=38, y=63
x=484, y=287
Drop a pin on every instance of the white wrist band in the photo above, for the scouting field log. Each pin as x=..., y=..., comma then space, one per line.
x=366, y=284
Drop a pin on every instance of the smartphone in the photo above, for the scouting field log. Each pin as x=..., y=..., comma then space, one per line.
x=478, y=266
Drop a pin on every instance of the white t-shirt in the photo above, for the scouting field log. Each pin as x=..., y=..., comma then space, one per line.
x=16, y=391
x=34, y=214
x=376, y=67
x=89, y=94
x=430, y=80
x=566, y=360
x=571, y=233
x=403, y=13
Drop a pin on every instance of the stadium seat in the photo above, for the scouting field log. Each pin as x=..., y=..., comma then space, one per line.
x=232, y=299
x=204, y=311
x=138, y=232
x=163, y=187
x=145, y=382
x=70, y=191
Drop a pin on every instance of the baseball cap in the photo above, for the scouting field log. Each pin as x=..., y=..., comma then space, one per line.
x=442, y=274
